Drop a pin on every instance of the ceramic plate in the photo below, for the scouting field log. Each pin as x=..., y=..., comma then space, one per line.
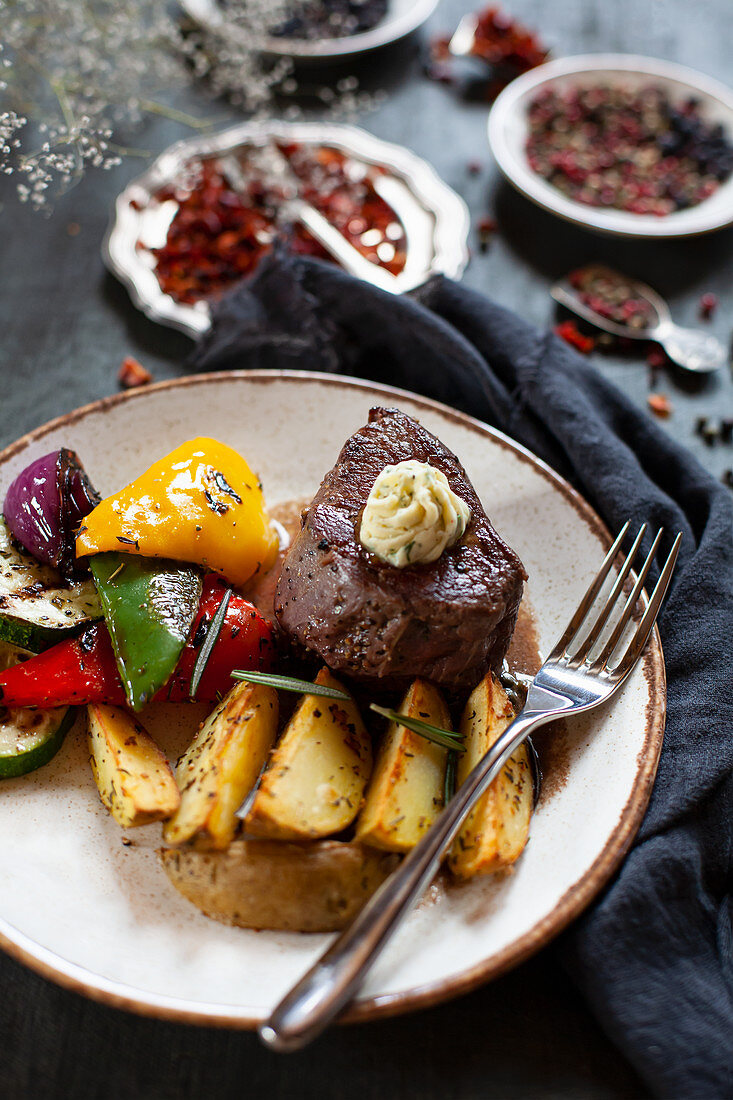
x=100, y=917
x=435, y=219
x=508, y=132
x=402, y=18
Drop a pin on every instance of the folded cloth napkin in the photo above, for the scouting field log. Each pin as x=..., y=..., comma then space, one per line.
x=654, y=955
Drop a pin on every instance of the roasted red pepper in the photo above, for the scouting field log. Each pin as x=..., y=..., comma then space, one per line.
x=244, y=637
x=83, y=669
x=77, y=670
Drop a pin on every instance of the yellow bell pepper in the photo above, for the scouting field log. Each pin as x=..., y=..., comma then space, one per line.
x=200, y=504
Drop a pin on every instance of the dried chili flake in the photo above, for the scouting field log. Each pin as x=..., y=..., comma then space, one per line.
x=132, y=374
x=485, y=229
x=660, y=404
x=503, y=43
x=502, y=40
x=569, y=332
x=219, y=235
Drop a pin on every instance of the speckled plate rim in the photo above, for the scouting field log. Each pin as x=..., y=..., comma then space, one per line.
x=118, y=995
x=507, y=113
x=395, y=26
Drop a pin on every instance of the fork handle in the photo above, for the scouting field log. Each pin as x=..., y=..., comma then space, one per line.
x=334, y=979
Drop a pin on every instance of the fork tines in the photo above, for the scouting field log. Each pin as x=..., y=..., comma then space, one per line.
x=583, y=656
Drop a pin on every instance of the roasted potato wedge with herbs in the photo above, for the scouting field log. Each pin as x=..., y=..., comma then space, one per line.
x=497, y=828
x=315, y=887
x=134, y=779
x=407, y=789
x=315, y=780
x=222, y=765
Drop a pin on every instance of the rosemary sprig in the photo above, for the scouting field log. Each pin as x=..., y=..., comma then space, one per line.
x=208, y=644
x=451, y=767
x=445, y=738
x=290, y=683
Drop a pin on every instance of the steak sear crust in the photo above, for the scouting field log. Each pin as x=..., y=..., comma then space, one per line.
x=448, y=621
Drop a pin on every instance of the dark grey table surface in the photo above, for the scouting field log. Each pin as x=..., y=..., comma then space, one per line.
x=66, y=326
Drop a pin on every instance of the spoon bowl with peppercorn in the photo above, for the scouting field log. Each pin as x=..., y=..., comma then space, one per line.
x=619, y=144
x=630, y=309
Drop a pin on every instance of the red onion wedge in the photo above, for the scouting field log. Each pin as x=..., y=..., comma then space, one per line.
x=45, y=505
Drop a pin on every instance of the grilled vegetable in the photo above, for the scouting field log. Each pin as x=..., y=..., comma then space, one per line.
x=318, y=887
x=244, y=640
x=45, y=505
x=222, y=765
x=497, y=828
x=36, y=608
x=149, y=605
x=77, y=670
x=407, y=788
x=84, y=669
x=199, y=504
x=315, y=780
x=28, y=737
x=134, y=778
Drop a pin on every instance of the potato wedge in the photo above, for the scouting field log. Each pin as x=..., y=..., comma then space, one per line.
x=497, y=829
x=314, y=783
x=315, y=887
x=407, y=789
x=134, y=779
x=222, y=764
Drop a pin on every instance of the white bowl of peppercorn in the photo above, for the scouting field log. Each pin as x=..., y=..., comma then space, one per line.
x=619, y=144
x=312, y=31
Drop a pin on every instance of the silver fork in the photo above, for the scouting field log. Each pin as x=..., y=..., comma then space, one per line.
x=579, y=674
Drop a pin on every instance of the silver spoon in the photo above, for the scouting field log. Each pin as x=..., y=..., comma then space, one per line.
x=277, y=169
x=464, y=36
x=691, y=349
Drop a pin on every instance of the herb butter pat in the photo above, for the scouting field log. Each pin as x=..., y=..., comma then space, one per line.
x=412, y=515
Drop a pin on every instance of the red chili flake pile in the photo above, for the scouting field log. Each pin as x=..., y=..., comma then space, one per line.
x=133, y=374
x=502, y=41
x=570, y=333
x=707, y=306
x=218, y=236
x=612, y=296
x=660, y=404
x=631, y=150
x=499, y=40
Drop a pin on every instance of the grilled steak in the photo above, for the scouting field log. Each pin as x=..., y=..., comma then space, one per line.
x=447, y=621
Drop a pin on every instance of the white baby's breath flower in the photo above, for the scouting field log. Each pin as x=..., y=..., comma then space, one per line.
x=89, y=68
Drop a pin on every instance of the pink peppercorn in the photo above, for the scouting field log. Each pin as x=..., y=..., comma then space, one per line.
x=708, y=305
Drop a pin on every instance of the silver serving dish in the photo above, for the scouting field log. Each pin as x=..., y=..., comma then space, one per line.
x=402, y=18
x=435, y=219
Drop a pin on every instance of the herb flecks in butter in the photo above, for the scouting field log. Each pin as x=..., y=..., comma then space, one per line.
x=412, y=515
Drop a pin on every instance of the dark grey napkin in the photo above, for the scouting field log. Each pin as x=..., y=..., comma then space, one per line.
x=654, y=955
